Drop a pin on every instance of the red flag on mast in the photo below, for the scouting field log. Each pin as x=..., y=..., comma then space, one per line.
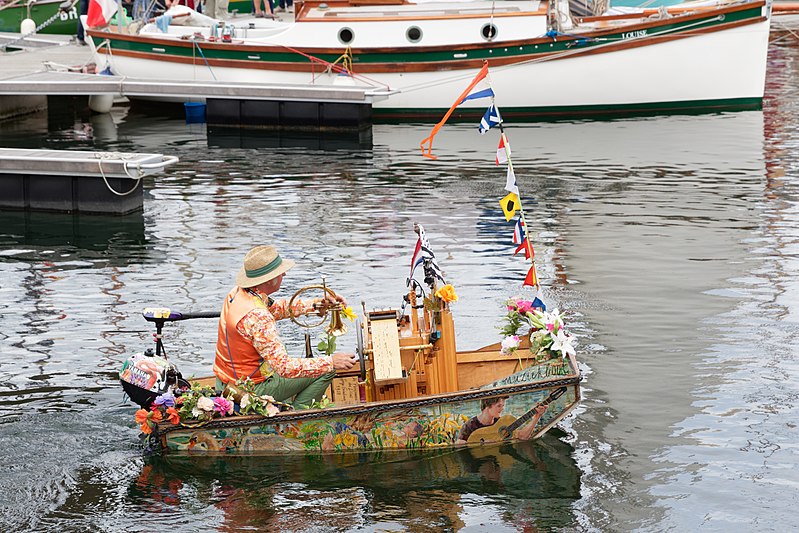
x=531, y=279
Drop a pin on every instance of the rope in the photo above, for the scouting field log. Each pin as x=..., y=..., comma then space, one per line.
x=10, y=4
x=346, y=62
x=113, y=155
x=203, y=56
x=331, y=66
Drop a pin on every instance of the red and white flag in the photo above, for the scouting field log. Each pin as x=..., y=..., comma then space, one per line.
x=100, y=12
x=502, y=154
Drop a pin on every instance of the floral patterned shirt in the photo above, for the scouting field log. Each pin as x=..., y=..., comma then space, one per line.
x=258, y=326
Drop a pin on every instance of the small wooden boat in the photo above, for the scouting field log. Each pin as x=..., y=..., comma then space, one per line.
x=412, y=390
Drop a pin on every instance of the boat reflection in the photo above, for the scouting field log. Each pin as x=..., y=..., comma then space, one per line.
x=220, y=137
x=425, y=489
x=62, y=237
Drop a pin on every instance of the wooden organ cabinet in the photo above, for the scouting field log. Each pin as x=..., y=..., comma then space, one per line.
x=404, y=357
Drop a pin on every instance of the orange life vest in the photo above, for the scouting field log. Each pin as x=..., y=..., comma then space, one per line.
x=236, y=358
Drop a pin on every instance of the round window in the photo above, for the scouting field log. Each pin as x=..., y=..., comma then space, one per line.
x=489, y=32
x=345, y=35
x=414, y=34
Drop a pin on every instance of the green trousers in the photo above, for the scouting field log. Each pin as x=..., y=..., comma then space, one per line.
x=305, y=391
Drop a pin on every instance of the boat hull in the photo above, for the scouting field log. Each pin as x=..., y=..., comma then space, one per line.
x=415, y=424
x=66, y=23
x=698, y=62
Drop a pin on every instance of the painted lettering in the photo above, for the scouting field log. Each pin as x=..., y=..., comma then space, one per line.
x=633, y=34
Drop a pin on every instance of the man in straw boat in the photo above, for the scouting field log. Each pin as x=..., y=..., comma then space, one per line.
x=249, y=346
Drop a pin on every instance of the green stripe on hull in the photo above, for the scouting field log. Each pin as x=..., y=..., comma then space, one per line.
x=65, y=24
x=494, y=51
x=388, y=116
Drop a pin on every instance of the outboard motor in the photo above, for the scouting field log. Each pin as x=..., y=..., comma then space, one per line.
x=146, y=376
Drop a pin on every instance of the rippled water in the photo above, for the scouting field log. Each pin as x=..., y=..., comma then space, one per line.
x=670, y=240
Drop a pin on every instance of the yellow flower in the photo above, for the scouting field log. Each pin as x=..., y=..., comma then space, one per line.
x=349, y=313
x=447, y=293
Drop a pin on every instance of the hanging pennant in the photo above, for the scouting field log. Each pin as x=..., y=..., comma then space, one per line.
x=510, y=204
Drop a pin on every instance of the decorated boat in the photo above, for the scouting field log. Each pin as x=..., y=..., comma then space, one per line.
x=544, y=61
x=411, y=389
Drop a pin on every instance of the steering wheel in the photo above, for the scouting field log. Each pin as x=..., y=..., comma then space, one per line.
x=304, y=320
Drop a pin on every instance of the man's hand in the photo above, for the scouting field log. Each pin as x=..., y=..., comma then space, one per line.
x=322, y=305
x=344, y=361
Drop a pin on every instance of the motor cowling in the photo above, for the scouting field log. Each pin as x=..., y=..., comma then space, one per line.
x=146, y=376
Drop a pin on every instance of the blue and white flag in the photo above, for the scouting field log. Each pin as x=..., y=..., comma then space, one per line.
x=490, y=119
x=481, y=90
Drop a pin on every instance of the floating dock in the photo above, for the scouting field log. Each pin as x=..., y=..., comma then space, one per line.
x=76, y=181
x=41, y=72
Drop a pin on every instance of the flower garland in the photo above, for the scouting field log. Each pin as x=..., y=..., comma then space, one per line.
x=200, y=403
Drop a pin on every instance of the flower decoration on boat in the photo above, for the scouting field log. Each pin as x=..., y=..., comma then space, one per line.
x=548, y=336
x=510, y=344
x=447, y=293
x=147, y=420
x=253, y=404
x=162, y=408
x=349, y=313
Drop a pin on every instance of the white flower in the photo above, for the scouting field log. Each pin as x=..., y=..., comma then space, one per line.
x=205, y=404
x=272, y=409
x=562, y=342
x=196, y=413
x=245, y=401
x=510, y=344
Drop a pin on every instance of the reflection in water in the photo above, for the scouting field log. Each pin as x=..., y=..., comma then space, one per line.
x=358, y=490
x=247, y=138
x=25, y=235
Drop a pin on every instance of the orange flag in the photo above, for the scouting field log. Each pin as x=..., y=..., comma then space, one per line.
x=429, y=140
x=531, y=279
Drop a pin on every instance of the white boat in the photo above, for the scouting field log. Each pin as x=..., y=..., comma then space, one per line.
x=542, y=61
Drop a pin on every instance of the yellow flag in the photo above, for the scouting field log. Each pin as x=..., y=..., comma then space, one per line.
x=510, y=204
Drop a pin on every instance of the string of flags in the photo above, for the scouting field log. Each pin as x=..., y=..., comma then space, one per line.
x=511, y=204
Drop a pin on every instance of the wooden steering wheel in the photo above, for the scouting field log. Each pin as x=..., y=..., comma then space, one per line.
x=304, y=320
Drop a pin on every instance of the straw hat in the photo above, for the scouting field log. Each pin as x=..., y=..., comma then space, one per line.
x=262, y=264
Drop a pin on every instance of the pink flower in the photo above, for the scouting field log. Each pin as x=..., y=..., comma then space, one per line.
x=550, y=327
x=223, y=406
x=524, y=306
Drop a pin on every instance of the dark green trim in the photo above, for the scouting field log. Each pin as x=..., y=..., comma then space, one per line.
x=574, y=111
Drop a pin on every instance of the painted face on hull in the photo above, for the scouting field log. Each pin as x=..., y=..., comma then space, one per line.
x=496, y=409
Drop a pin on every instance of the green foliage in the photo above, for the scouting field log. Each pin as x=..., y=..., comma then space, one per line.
x=327, y=346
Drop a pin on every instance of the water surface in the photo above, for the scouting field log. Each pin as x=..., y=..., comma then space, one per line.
x=671, y=241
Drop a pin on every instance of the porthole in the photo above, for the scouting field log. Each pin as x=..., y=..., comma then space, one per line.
x=489, y=32
x=414, y=34
x=345, y=35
